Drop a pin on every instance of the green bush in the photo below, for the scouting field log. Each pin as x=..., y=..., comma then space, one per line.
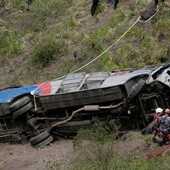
x=15, y=3
x=34, y=22
x=94, y=41
x=135, y=32
x=10, y=42
x=161, y=56
x=96, y=38
x=147, y=42
x=106, y=62
x=50, y=8
x=47, y=50
x=69, y=23
x=99, y=132
x=115, y=162
x=114, y=155
x=162, y=24
x=117, y=19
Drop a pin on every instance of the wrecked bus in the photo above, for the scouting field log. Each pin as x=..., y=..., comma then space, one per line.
x=39, y=113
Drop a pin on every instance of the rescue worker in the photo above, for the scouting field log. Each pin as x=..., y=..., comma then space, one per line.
x=157, y=117
x=115, y=4
x=94, y=6
x=164, y=127
x=96, y=2
x=156, y=2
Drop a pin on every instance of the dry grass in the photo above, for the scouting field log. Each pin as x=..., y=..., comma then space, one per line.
x=70, y=22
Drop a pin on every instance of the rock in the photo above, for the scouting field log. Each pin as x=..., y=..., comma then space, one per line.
x=147, y=13
x=161, y=37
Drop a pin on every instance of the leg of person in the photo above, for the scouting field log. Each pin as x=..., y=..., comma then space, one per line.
x=116, y=2
x=156, y=2
x=94, y=6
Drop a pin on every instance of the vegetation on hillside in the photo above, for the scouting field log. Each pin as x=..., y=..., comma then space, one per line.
x=99, y=149
x=38, y=44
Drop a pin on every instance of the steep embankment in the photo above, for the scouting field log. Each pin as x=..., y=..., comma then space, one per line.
x=38, y=44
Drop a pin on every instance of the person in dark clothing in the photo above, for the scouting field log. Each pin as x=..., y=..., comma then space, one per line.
x=162, y=137
x=94, y=6
x=156, y=2
x=115, y=4
x=96, y=2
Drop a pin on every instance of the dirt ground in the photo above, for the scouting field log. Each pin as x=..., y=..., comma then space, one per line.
x=24, y=157
x=61, y=155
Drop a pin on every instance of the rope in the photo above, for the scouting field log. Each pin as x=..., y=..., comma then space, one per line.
x=34, y=92
x=150, y=17
x=103, y=51
x=111, y=44
x=34, y=95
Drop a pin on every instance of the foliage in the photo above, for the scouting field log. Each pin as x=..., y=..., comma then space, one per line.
x=10, y=43
x=106, y=156
x=99, y=132
x=47, y=50
x=95, y=153
x=121, y=164
x=161, y=56
x=50, y=8
x=135, y=32
x=72, y=26
x=14, y=81
x=16, y=3
x=69, y=23
x=95, y=40
x=147, y=42
x=106, y=62
x=34, y=23
x=117, y=19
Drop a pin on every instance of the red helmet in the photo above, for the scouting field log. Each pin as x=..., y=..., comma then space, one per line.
x=167, y=111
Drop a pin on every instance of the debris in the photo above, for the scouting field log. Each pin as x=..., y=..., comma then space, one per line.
x=147, y=13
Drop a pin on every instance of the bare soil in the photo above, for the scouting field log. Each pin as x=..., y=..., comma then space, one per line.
x=60, y=155
x=24, y=157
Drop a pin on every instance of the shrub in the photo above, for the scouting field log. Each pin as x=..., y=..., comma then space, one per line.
x=147, y=42
x=47, y=49
x=99, y=132
x=117, y=19
x=94, y=41
x=106, y=62
x=10, y=42
x=135, y=32
x=50, y=8
x=69, y=23
x=129, y=163
x=16, y=3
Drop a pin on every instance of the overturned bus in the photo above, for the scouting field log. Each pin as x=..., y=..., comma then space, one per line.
x=42, y=112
